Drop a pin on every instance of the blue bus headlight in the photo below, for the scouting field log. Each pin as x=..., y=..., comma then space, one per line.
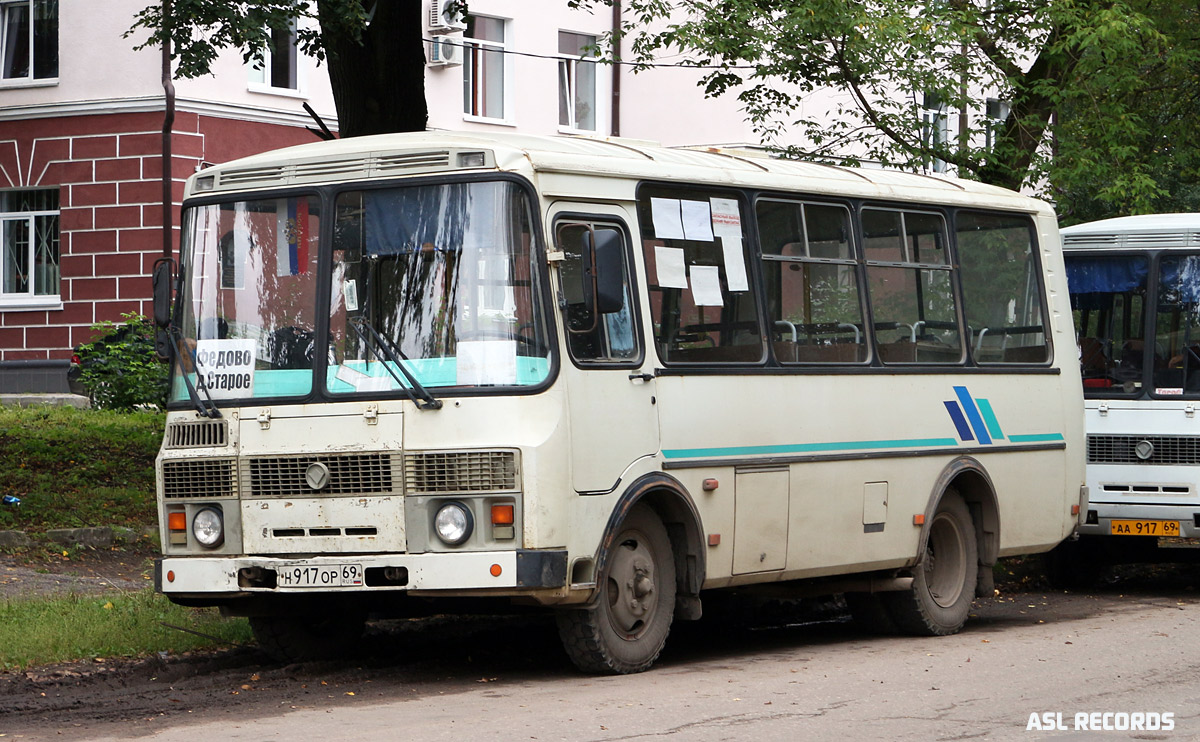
x=453, y=523
x=208, y=528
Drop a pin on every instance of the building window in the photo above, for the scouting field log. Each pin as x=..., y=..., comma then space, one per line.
x=28, y=39
x=278, y=67
x=996, y=112
x=576, y=81
x=935, y=130
x=29, y=240
x=483, y=68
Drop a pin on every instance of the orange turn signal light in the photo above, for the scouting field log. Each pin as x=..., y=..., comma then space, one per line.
x=502, y=515
x=177, y=521
x=919, y=519
x=496, y=570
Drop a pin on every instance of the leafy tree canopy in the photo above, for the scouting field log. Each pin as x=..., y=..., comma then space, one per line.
x=373, y=49
x=1101, y=94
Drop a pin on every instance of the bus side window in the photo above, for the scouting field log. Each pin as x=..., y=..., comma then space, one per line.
x=599, y=329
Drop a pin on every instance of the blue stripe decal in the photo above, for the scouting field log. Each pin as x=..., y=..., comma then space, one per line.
x=688, y=453
x=989, y=417
x=1036, y=438
x=960, y=422
x=973, y=414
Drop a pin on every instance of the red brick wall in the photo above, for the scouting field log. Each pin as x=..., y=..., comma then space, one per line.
x=108, y=170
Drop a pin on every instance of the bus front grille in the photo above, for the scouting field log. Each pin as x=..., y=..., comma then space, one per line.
x=446, y=472
x=350, y=474
x=188, y=478
x=1162, y=450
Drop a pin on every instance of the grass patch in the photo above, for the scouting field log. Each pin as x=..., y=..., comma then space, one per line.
x=44, y=631
x=74, y=468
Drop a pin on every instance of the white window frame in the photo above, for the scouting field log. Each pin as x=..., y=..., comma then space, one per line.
x=28, y=80
x=935, y=130
x=263, y=67
x=470, y=46
x=28, y=299
x=568, y=66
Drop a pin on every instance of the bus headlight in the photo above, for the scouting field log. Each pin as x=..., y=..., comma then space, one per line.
x=453, y=523
x=208, y=528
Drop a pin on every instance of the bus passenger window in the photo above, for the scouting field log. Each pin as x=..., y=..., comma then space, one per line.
x=595, y=336
x=701, y=302
x=813, y=298
x=914, y=316
x=1002, y=295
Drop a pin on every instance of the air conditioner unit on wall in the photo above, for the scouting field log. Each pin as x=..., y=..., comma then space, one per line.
x=445, y=51
x=447, y=16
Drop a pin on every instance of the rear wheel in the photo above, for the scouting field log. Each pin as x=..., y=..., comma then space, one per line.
x=626, y=629
x=307, y=637
x=944, y=583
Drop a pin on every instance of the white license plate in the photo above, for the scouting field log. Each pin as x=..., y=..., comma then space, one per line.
x=325, y=575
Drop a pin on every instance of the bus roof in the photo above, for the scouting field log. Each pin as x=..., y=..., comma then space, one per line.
x=394, y=155
x=1145, y=231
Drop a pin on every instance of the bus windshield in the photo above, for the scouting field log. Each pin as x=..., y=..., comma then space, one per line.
x=1108, y=299
x=432, y=286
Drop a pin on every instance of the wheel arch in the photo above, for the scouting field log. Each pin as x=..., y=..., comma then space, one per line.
x=670, y=501
x=968, y=477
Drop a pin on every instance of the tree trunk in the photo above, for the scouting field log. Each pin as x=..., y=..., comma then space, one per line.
x=378, y=79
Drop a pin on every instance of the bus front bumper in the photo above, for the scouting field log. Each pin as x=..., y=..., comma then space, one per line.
x=1128, y=515
x=517, y=570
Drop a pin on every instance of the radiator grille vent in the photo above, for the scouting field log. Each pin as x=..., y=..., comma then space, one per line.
x=197, y=435
x=198, y=478
x=441, y=472
x=352, y=474
x=1123, y=449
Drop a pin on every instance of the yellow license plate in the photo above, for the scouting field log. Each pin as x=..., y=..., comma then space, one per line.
x=1144, y=528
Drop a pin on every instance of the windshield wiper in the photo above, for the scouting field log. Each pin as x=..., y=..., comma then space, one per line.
x=385, y=350
x=206, y=406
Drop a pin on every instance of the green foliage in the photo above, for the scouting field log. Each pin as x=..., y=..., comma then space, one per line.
x=74, y=468
x=42, y=631
x=1102, y=92
x=120, y=369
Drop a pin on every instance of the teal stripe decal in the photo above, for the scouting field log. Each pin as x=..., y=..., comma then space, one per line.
x=1037, y=438
x=989, y=417
x=688, y=453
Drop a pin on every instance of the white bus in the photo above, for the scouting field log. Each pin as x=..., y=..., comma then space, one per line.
x=601, y=377
x=1135, y=292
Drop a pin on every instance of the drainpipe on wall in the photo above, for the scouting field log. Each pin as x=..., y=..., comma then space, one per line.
x=168, y=123
x=616, y=71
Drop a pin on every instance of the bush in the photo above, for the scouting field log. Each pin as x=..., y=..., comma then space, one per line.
x=119, y=368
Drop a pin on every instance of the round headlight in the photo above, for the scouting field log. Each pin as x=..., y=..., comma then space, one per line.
x=207, y=528
x=453, y=523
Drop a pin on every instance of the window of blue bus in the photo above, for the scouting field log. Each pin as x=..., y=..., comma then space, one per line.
x=702, y=301
x=913, y=306
x=1177, y=326
x=439, y=278
x=1108, y=301
x=813, y=298
x=1002, y=289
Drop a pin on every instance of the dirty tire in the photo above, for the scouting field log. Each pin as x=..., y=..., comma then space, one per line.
x=303, y=638
x=944, y=580
x=626, y=628
x=868, y=613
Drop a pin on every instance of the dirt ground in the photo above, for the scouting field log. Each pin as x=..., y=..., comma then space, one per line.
x=419, y=658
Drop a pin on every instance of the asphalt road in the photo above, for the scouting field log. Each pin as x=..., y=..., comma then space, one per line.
x=1125, y=650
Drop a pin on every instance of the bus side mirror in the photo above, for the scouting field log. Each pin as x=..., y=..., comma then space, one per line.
x=608, y=262
x=161, y=281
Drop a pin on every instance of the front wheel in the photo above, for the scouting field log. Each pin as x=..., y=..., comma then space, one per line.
x=626, y=629
x=944, y=584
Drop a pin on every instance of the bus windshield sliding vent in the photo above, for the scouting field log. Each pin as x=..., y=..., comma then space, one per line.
x=1163, y=449
x=198, y=478
x=413, y=161
x=445, y=472
x=197, y=435
x=352, y=474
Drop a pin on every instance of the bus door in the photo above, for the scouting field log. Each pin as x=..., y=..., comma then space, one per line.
x=610, y=381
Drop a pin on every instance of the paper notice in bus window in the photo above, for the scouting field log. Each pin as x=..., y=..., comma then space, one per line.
x=1169, y=392
x=487, y=362
x=706, y=286
x=350, y=292
x=670, y=266
x=735, y=266
x=697, y=221
x=226, y=367
x=726, y=218
x=668, y=223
